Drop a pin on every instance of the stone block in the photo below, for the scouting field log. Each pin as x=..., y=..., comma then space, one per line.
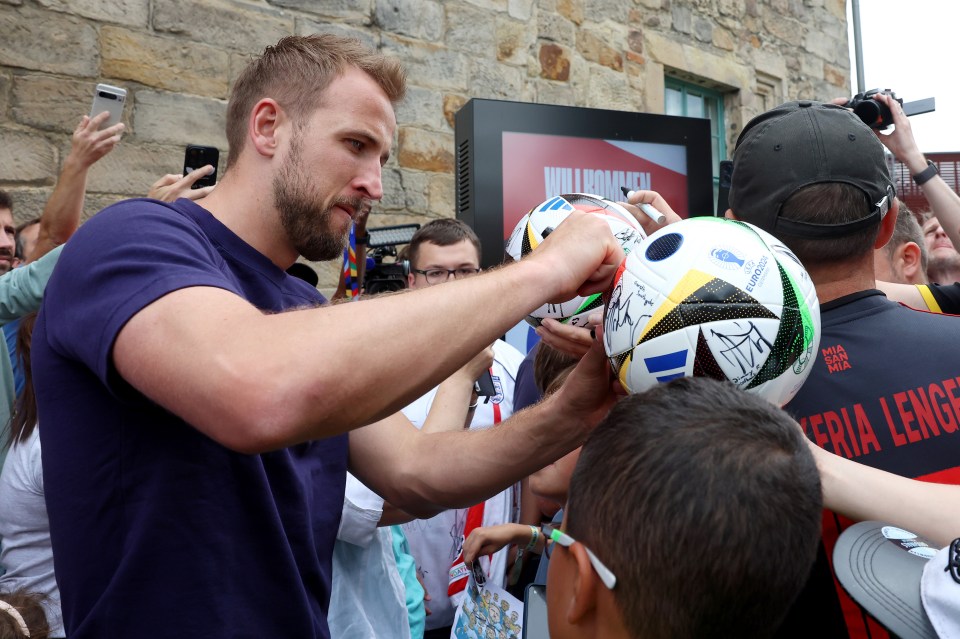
x=306, y=26
x=225, y=25
x=167, y=63
x=785, y=29
x=130, y=169
x=428, y=65
x=470, y=30
x=616, y=10
x=819, y=43
x=451, y=104
x=5, y=83
x=555, y=93
x=593, y=45
x=514, y=41
x=27, y=157
x=554, y=62
x=489, y=5
x=442, y=195
x=133, y=13
x=180, y=119
x=723, y=39
x=425, y=150
x=491, y=80
x=341, y=9
x=682, y=18
x=572, y=10
x=28, y=202
x=551, y=26
x=520, y=9
x=48, y=41
x=703, y=29
x=605, y=89
x=421, y=108
x=421, y=19
x=52, y=103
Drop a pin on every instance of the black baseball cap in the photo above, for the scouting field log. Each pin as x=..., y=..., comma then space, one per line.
x=798, y=144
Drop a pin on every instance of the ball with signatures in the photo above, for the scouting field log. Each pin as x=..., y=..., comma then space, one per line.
x=713, y=298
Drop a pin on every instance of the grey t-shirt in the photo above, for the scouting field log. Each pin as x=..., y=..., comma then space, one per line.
x=25, y=551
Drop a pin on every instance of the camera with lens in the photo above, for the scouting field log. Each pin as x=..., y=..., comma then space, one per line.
x=873, y=113
x=383, y=271
x=382, y=276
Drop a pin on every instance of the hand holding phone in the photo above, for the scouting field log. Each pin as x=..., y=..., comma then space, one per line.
x=110, y=99
x=198, y=156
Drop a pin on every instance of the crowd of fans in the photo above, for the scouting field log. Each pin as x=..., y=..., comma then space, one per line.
x=224, y=453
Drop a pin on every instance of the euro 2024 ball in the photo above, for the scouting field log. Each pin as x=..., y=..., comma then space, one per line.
x=536, y=225
x=709, y=297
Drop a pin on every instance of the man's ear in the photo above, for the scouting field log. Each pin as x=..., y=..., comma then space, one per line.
x=265, y=118
x=909, y=255
x=583, y=603
x=888, y=225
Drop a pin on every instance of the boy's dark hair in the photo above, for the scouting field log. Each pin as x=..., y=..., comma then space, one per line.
x=442, y=232
x=705, y=502
x=829, y=203
x=6, y=202
x=549, y=364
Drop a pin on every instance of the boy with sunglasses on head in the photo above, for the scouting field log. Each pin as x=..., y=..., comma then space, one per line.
x=694, y=511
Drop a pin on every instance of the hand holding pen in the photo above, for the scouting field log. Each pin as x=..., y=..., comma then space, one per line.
x=654, y=210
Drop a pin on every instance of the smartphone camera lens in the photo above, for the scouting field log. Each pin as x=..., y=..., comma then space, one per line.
x=108, y=96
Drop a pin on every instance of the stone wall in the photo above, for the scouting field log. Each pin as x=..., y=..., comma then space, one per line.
x=177, y=59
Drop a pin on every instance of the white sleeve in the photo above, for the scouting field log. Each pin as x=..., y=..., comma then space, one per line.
x=362, y=509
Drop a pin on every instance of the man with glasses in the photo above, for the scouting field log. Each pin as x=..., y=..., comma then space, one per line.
x=694, y=511
x=440, y=251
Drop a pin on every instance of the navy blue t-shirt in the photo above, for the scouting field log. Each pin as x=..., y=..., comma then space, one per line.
x=157, y=530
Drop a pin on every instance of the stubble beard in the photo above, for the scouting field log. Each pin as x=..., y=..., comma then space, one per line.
x=308, y=225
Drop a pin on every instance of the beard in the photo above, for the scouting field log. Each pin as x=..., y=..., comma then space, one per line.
x=944, y=269
x=310, y=227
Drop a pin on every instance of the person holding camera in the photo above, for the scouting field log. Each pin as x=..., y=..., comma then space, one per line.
x=200, y=408
x=944, y=204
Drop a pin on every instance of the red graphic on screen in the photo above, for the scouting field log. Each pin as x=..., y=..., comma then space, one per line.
x=537, y=167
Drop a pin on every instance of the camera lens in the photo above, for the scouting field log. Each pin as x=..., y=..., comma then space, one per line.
x=108, y=96
x=868, y=111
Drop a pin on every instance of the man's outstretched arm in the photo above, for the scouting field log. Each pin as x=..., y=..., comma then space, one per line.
x=257, y=382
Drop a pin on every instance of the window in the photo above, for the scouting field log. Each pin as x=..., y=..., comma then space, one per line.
x=694, y=101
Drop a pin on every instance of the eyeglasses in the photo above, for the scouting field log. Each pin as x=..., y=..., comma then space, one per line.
x=438, y=275
x=558, y=536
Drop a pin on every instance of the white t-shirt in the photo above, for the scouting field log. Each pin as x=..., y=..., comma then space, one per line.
x=368, y=597
x=436, y=542
x=25, y=551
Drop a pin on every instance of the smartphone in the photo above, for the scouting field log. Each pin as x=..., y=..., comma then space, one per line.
x=535, y=612
x=484, y=386
x=111, y=99
x=723, y=192
x=196, y=156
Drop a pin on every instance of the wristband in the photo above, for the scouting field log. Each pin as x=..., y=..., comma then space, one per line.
x=473, y=405
x=534, y=537
x=927, y=174
x=362, y=239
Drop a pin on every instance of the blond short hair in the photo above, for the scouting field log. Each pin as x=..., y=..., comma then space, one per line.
x=296, y=71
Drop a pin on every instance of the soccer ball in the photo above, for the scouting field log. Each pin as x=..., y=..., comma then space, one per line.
x=709, y=297
x=536, y=225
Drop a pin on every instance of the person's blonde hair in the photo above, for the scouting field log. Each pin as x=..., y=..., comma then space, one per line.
x=296, y=71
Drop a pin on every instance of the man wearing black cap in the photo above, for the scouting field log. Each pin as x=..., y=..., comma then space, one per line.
x=885, y=389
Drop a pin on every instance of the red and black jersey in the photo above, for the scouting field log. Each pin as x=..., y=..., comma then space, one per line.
x=885, y=392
